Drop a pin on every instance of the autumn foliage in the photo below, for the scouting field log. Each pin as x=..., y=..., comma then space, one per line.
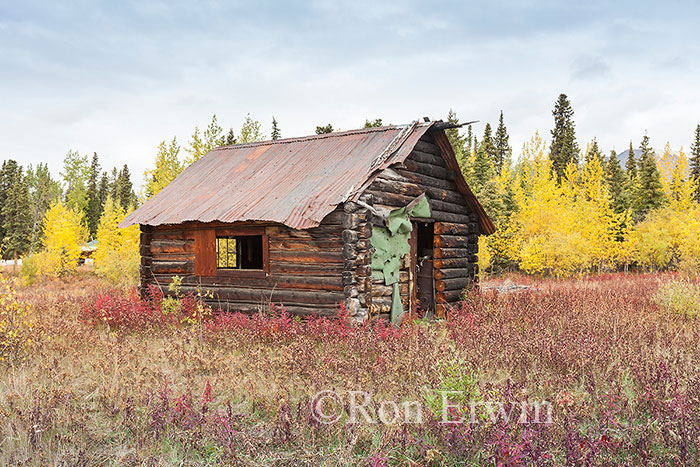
x=117, y=256
x=571, y=227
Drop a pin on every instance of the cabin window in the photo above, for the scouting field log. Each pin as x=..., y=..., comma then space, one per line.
x=231, y=252
x=239, y=252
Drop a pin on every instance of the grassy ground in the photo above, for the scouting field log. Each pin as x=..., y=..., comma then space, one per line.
x=621, y=374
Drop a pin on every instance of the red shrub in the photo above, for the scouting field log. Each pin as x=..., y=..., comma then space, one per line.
x=123, y=312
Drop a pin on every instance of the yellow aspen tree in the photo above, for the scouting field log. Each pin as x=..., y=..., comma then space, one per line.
x=665, y=163
x=537, y=223
x=597, y=219
x=117, y=255
x=682, y=185
x=64, y=233
x=670, y=236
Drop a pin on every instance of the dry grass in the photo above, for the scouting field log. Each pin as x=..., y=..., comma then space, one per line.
x=623, y=376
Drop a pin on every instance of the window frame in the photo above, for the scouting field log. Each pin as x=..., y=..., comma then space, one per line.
x=244, y=232
x=205, y=252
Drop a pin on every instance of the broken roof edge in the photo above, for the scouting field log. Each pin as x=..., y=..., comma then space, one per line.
x=334, y=134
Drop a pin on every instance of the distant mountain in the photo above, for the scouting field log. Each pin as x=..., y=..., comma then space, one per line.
x=625, y=154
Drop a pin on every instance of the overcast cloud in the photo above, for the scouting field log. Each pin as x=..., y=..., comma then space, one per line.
x=118, y=77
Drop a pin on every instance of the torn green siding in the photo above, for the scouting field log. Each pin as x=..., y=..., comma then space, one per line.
x=391, y=243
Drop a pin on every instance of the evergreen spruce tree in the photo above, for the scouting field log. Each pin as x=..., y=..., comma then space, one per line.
x=482, y=169
x=593, y=151
x=503, y=150
x=230, y=138
x=276, y=133
x=16, y=218
x=470, y=141
x=695, y=161
x=43, y=191
x=564, y=148
x=94, y=208
x=490, y=199
x=631, y=164
x=8, y=173
x=616, y=179
x=321, y=130
x=489, y=146
x=114, y=184
x=103, y=190
x=125, y=190
x=650, y=192
x=457, y=142
x=376, y=123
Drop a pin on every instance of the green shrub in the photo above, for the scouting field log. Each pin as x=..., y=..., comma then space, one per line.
x=460, y=385
x=681, y=297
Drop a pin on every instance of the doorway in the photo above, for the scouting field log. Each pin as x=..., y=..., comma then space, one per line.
x=423, y=272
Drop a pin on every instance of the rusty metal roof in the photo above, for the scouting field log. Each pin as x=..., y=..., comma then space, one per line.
x=294, y=181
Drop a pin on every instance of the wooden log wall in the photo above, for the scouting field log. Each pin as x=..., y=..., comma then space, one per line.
x=456, y=228
x=306, y=268
x=357, y=255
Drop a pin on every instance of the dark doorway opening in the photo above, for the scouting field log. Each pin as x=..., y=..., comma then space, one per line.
x=425, y=277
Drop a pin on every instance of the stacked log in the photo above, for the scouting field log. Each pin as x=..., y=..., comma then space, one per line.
x=146, y=259
x=456, y=262
x=357, y=255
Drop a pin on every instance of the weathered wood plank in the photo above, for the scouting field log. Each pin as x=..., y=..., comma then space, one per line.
x=172, y=267
x=281, y=243
x=173, y=256
x=390, y=199
x=287, y=267
x=205, y=252
x=452, y=263
x=324, y=257
x=448, y=296
x=426, y=158
x=458, y=283
x=425, y=146
x=452, y=273
x=427, y=180
x=438, y=205
x=453, y=228
x=416, y=189
x=451, y=217
x=171, y=246
x=455, y=241
x=430, y=170
x=448, y=253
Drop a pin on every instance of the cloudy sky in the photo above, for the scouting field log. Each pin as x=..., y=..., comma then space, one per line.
x=118, y=77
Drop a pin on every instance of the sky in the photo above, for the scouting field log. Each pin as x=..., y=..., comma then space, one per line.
x=116, y=78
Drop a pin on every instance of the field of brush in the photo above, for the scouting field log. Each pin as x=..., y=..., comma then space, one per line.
x=112, y=380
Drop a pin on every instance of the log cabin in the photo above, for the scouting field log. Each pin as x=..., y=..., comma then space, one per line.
x=378, y=219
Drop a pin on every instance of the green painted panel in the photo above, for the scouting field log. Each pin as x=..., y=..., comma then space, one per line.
x=390, y=244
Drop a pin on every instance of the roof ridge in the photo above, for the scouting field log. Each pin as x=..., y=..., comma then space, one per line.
x=308, y=137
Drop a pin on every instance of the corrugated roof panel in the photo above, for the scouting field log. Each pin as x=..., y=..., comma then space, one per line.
x=296, y=181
